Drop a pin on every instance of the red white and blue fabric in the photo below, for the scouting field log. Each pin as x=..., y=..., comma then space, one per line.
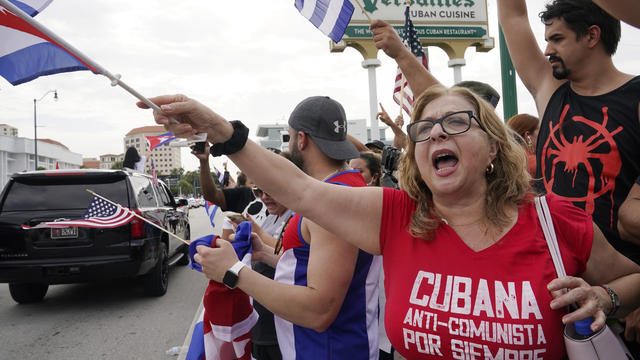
x=329, y=16
x=224, y=329
x=211, y=210
x=25, y=52
x=220, y=175
x=99, y=214
x=159, y=140
x=153, y=172
x=354, y=332
x=410, y=39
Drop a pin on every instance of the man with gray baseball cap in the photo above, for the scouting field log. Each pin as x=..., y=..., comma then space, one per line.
x=324, y=120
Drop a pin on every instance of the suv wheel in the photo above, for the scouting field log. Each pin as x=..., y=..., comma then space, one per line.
x=184, y=260
x=26, y=293
x=157, y=281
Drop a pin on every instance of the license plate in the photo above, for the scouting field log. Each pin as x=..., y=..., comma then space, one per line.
x=64, y=233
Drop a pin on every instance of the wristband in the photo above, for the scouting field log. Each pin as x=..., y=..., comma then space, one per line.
x=235, y=143
x=615, y=300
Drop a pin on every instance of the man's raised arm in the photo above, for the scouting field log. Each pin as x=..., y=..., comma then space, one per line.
x=531, y=64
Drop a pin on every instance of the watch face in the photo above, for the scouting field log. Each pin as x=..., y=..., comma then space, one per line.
x=230, y=279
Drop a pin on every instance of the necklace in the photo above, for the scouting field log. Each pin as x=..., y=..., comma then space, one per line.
x=333, y=173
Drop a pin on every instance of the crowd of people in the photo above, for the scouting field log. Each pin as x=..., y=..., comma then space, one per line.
x=455, y=237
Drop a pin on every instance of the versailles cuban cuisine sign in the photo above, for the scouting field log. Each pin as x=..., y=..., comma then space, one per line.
x=433, y=19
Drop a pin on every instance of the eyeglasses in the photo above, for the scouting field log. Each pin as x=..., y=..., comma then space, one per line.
x=257, y=192
x=452, y=124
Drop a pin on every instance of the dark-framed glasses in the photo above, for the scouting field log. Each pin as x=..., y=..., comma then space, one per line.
x=257, y=192
x=452, y=124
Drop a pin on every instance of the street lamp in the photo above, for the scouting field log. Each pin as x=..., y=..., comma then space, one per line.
x=35, y=124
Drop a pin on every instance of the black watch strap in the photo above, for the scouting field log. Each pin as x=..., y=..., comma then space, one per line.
x=235, y=143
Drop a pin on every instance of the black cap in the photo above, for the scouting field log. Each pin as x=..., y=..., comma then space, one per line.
x=325, y=121
x=375, y=144
x=484, y=90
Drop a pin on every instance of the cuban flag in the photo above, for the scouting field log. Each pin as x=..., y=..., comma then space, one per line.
x=329, y=16
x=219, y=175
x=224, y=329
x=211, y=212
x=159, y=140
x=26, y=53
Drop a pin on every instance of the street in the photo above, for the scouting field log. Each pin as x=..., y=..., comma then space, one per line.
x=107, y=320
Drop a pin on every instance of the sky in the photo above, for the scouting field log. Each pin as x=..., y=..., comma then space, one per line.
x=250, y=61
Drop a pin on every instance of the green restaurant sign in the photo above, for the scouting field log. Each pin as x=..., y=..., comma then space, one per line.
x=424, y=31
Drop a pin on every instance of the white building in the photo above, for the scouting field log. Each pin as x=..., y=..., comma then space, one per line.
x=165, y=158
x=16, y=155
x=107, y=160
x=8, y=130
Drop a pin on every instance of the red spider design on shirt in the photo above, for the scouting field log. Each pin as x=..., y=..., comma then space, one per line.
x=579, y=152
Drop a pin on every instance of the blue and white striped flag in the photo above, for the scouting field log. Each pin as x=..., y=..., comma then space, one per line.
x=329, y=16
x=211, y=211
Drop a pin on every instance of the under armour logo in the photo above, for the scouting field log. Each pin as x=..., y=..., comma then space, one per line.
x=338, y=126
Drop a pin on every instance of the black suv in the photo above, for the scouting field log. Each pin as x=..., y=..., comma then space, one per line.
x=31, y=260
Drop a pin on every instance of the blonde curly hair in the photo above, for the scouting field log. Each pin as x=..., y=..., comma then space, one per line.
x=509, y=183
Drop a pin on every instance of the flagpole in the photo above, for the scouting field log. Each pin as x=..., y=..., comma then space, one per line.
x=138, y=216
x=115, y=79
x=403, y=79
x=364, y=11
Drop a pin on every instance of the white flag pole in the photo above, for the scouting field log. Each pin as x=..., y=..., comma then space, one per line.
x=115, y=79
x=138, y=216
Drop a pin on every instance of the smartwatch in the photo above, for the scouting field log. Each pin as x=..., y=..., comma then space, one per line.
x=230, y=278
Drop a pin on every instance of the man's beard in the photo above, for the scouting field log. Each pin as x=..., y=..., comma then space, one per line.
x=560, y=72
x=296, y=156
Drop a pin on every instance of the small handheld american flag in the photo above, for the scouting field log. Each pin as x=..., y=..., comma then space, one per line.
x=403, y=95
x=99, y=214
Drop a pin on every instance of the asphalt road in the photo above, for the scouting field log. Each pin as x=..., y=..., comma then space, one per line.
x=107, y=320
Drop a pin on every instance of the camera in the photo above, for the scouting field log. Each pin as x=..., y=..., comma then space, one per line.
x=198, y=147
x=390, y=159
x=284, y=140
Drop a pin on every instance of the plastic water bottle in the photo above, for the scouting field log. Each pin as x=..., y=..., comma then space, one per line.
x=174, y=351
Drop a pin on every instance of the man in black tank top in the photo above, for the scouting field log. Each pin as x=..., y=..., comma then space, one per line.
x=588, y=148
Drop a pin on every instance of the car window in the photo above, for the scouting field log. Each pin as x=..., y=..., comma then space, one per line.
x=163, y=196
x=143, y=191
x=62, y=194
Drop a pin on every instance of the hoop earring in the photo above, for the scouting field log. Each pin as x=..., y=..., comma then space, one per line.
x=529, y=143
x=490, y=169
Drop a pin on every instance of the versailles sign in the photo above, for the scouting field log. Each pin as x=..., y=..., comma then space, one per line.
x=452, y=25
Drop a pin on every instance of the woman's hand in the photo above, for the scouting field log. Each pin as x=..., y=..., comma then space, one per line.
x=192, y=118
x=216, y=261
x=593, y=301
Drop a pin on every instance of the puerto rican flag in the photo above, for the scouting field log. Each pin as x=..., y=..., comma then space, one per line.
x=224, y=329
x=26, y=53
x=159, y=140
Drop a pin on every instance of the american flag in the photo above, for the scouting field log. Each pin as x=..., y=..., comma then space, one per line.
x=410, y=39
x=99, y=214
